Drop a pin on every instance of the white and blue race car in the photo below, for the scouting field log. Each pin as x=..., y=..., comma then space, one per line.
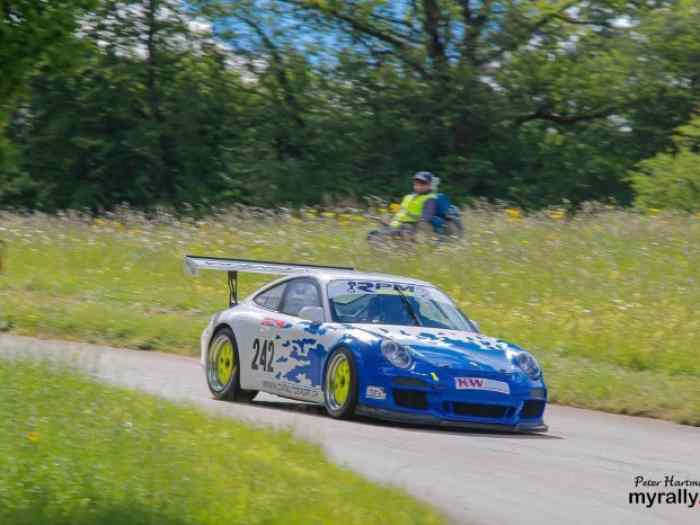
x=365, y=343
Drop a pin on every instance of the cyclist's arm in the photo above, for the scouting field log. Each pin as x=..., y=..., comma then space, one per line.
x=429, y=209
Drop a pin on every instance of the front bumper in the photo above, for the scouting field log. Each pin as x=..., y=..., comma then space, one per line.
x=429, y=397
x=433, y=420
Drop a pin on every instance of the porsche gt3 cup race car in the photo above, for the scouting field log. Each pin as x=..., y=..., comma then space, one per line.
x=365, y=343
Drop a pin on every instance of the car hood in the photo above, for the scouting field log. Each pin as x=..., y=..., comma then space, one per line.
x=454, y=349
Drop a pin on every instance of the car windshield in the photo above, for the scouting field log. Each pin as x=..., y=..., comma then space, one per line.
x=393, y=303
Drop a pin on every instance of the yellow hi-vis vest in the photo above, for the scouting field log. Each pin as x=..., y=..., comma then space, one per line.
x=411, y=208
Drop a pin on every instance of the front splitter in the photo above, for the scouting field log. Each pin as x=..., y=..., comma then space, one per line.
x=427, y=419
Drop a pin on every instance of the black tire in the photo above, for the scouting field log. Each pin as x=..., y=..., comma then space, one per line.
x=223, y=368
x=346, y=408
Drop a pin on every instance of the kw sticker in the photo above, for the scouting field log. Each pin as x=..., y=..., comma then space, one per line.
x=481, y=383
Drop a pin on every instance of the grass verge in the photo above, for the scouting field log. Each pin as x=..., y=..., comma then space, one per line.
x=607, y=301
x=76, y=452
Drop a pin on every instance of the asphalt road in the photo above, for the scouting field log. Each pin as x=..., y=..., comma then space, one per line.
x=582, y=471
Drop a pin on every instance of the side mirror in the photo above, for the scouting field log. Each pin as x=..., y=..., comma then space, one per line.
x=312, y=313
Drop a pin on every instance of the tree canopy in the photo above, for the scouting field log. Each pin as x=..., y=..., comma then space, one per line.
x=271, y=102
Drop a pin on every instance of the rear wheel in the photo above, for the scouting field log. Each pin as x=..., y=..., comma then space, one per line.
x=340, y=384
x=223, y=368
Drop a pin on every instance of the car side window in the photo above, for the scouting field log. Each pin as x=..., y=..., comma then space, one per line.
x=271, y=298
x=300, y=293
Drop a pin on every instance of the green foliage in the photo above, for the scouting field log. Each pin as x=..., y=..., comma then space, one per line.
x=75, y=452
x=30, y=31
x=304, y=102
x=671, y=179
x=123, y=130
x=606, y=301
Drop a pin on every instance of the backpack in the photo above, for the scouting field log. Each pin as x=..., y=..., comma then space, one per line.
x=442, y=205
x=448, y=218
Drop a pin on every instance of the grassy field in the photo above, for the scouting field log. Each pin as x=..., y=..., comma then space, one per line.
x=73, y=452
x=607, y=301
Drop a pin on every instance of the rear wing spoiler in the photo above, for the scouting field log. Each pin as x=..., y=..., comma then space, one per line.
x=195, y=263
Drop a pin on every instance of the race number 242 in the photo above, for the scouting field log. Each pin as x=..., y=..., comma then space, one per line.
x=264, y=355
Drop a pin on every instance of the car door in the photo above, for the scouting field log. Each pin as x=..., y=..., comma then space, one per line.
x=293, y=367
x=257, y=339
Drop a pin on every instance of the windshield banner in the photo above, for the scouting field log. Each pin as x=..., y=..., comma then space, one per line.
x=337, y=288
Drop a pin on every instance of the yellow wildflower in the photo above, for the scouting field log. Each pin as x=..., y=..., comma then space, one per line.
x=557, y=215
x=514, y=213
x=33, y=437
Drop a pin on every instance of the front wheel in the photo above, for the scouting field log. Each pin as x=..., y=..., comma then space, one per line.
x=223, y=368
x=340, y=385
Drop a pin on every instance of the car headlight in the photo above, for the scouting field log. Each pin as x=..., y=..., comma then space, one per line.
x=527, y=363
x=397, y=355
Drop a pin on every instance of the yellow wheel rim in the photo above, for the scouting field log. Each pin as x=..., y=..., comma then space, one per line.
x=339, y=377
x=225, y=363
x=222, y=362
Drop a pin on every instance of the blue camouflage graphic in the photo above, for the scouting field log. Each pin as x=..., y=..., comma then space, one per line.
x=303, y=358
x=309, y=356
